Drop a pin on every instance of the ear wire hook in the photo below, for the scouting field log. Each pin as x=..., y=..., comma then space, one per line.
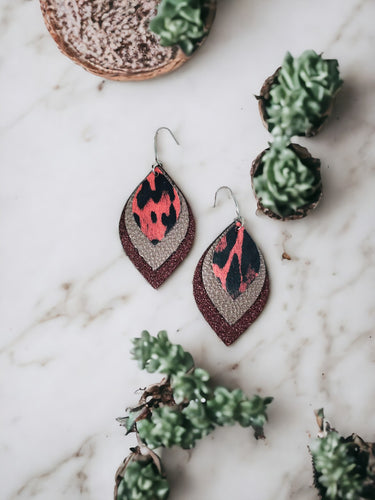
x=238, y=217
x=157, y=161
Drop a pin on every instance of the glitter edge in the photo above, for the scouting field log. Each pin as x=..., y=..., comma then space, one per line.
x=157, y=277
x=226, y=332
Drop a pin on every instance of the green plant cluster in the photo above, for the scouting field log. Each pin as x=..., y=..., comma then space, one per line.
x=344, y=468
x=158, y=354
x=199, y=408
x=180, y=22
x=180, y=410
x=169, y=427
x=285, y=184
x=142, y=481
x=336, y=467
x=299, y=101
x=302, y=94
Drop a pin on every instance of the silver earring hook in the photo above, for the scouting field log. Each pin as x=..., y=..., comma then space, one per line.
x=157, y=161
x=238, y=217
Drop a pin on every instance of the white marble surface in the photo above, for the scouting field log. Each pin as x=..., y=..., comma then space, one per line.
x=72, y=148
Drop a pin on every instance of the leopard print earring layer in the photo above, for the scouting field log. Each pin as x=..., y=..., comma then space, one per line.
x=157, y=227
x=231, y=283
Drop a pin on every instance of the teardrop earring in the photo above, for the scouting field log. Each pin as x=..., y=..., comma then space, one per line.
x=231, y=284
x=157, y=227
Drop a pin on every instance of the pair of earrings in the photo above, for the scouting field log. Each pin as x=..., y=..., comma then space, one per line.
x=157, y=229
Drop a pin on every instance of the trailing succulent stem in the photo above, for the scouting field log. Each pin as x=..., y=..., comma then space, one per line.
x=181, y=409
x=344, y=468
x=180, y=22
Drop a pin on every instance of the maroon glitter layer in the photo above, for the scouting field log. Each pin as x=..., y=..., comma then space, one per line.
x=226, y=332
x=157, y=277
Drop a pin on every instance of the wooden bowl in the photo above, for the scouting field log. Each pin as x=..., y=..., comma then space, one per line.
x=111, y=38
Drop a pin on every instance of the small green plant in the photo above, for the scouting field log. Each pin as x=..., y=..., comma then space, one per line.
x=283, y=183
x=302, y=94
x=344, y=468
x=178, y=411
x=142, y=480
x=295, y=100
x=180, y=22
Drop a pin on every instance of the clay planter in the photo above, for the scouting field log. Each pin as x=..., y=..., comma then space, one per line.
x=306, y=159
x=113, y=41
x=264, y=97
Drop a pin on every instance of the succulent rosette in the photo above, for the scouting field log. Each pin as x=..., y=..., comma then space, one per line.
x=344, y=468
x=286, y=181
x=181, y=22
x=141, y=480
x=299, y=96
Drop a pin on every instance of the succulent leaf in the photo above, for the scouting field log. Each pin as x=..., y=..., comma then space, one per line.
x=142, y=481
x=158, y=354
x=180, y=22
x=188, y=387
x=302, y=94
x=168, y=427
x=229, y=407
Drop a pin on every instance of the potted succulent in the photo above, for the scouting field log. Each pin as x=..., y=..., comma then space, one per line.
x=131, y=40
x=298, y=98
x=286, y=181
x=344, y=468
x=295, y=100
x=179, y=410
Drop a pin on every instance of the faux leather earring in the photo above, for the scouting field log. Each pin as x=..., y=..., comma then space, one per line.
x=157, y=227
x=231, y=284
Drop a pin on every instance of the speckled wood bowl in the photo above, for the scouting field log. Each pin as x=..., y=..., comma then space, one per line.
x=111, y=38
x=306, y=158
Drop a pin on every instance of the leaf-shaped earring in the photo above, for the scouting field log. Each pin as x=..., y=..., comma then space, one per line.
x=157, y=227
x=231, y=284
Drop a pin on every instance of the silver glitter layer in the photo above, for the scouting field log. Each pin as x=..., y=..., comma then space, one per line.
x=156, y=255
x=231, y=309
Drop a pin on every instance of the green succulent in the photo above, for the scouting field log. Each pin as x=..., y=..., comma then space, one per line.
x=253, y=412
x=158, y=354
x=180, y=22
x=284, y=184
x=344, y=468
x=193, y=386
x=142, y=481
x=224, y=405
x=191, y=410
x=166, y=427
x=199, y=419
x=302, y=94
x=336, y=467
x=229, y=407
x=169, y=427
